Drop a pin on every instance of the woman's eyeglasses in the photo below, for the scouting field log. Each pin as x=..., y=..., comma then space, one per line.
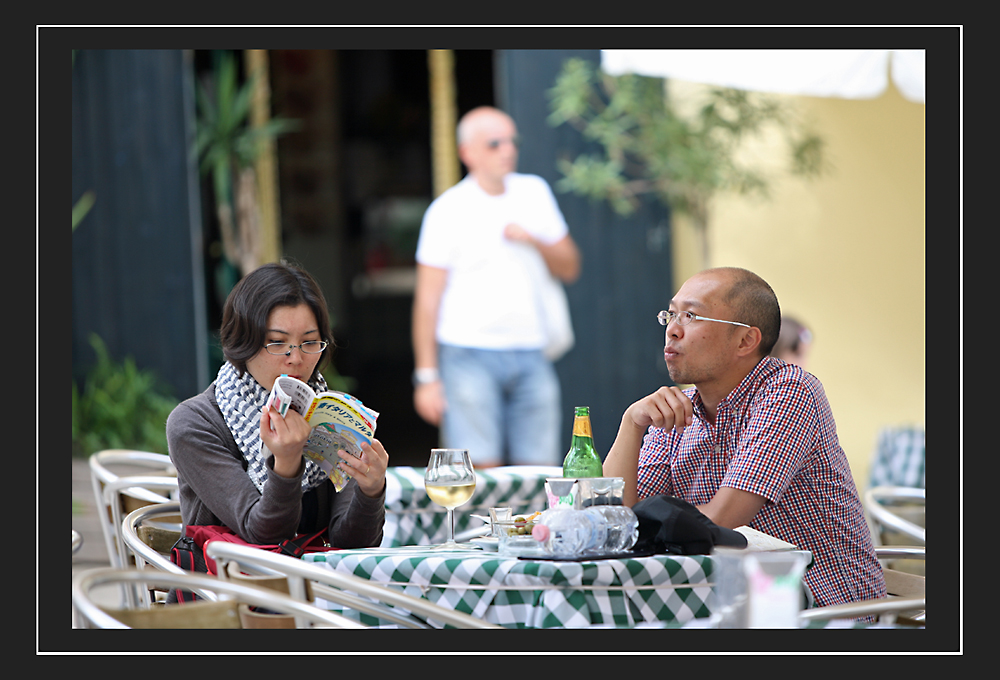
x=310, y=347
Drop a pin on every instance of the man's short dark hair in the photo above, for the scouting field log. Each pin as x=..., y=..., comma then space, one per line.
x=249, y=305
x=753, y=302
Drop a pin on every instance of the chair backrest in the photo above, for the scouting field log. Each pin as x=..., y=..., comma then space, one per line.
x=884, y=504
x=256, y=619
x=148, y=542
x=347, y=590
x=112, y=464
x=223, y=612
x=113, y=491
x=904, y=584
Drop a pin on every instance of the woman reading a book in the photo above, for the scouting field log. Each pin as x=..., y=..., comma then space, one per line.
x=241, y=465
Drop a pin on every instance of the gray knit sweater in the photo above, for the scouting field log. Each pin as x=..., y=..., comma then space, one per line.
x=215, y=489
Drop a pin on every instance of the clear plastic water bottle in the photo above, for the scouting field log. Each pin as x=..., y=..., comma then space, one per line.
x=564, y=531
x=596, y=534
x=622, y=526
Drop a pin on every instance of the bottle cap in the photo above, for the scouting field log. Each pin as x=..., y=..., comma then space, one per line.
x=540, y=533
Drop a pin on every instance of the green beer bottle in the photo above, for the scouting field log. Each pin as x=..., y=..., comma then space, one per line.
x=582, y=459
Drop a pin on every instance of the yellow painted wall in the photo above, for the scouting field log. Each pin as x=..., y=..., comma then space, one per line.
x=845, y=254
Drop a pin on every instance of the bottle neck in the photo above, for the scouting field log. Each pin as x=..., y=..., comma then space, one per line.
x=581, y=427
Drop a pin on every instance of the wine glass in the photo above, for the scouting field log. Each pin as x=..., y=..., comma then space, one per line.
x=450, y=481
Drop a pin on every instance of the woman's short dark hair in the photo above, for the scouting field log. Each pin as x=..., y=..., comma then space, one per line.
x=754, y=302
x=249, y=305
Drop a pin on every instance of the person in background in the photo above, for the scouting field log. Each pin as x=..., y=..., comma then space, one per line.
x=753, y=441
x=274, y=321
x=478, y=337
x=794, y=342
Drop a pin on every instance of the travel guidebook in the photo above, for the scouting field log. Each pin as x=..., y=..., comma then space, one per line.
x=339, y=421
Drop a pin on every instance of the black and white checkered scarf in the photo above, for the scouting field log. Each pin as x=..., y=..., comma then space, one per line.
x=241, y=400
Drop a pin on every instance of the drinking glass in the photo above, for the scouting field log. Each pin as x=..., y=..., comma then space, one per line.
x=450, y=481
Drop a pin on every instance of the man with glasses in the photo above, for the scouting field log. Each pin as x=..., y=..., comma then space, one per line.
x=752, y=440
x=478, y=332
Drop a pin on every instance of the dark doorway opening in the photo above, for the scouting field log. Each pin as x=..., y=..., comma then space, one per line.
x=354, y=183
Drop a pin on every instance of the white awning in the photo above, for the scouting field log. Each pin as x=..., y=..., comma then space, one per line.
x=849, y=74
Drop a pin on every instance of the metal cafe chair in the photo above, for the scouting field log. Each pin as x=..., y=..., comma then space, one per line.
x=148, y=538
x=902, y=583
x=887, y=607
x=107, y=466
x=148, y=541
x=150, y=545
x=77, y=544
x=351, y=592
x=116, y=489
x=226, y=611
x=904, y=603
x=879, y=502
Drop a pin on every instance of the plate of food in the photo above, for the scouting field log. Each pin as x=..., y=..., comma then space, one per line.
x=515, y=537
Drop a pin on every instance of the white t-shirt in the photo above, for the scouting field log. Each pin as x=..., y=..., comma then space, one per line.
x=489, y=302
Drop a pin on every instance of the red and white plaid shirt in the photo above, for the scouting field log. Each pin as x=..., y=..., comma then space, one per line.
x=775, y=436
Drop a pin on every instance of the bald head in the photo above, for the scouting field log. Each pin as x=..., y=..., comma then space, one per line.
x=479, y=119
x=752, y=302
x=487, y=145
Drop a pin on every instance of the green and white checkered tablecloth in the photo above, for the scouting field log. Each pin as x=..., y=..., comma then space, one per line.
x=518, y=593
x=411, y=518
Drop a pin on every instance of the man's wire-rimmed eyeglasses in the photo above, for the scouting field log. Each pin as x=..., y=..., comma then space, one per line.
x=684, y=318
x=311, y=347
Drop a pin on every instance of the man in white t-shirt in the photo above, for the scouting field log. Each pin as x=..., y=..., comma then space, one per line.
x=478, y=331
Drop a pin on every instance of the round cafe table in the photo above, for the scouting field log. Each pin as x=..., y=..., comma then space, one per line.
x=534, y=593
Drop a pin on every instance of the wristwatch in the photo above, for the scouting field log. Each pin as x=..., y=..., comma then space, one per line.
x=424, y=376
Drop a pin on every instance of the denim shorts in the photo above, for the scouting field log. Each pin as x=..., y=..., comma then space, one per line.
x=503, y=405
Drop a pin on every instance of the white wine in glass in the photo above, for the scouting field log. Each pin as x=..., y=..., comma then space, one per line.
x=450, y=481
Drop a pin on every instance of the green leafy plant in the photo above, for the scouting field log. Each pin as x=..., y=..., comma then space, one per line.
x=648, y=147
x=82, y=207
x=120, y=406
x=227, y=145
